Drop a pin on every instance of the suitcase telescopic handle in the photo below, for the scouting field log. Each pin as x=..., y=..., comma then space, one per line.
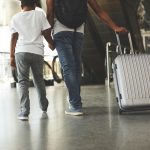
x=119, y=43
x=130, y=42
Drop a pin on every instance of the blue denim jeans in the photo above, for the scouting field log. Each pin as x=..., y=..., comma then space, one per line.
x=69, y=45
x=25, y=61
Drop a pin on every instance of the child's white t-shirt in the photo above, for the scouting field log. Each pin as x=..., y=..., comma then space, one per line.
x=29, y=25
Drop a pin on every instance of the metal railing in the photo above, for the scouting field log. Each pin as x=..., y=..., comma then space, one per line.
x=5, y=69
x=51, y=69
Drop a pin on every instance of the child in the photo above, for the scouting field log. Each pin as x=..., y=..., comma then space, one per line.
x=26, y=49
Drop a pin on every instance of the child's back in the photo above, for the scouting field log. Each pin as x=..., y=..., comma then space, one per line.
x=29, y=25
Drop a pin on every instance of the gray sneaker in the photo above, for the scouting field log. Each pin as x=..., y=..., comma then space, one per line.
x=23, y=117
x=74, y=112
x=44, y=115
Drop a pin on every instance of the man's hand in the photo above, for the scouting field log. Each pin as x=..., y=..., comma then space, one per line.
x=121, y=30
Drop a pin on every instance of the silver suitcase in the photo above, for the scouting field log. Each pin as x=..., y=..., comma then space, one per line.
x=131, y=73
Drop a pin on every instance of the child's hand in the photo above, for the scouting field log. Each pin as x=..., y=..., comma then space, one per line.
x=12, y=62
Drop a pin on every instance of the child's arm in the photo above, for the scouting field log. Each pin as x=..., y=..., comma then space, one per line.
x=14, y=38
x=47, y=35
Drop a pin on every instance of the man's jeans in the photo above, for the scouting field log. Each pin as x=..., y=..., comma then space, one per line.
x=25, y=61
x=68, y=45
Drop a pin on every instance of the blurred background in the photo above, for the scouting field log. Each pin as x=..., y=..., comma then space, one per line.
x=134, y=15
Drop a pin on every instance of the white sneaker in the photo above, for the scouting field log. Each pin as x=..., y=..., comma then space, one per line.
x=23, y=117
x=74, y=112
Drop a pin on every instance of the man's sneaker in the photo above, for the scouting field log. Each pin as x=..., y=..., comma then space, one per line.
x=74, y=112
x=44, y=115
x=23, y=117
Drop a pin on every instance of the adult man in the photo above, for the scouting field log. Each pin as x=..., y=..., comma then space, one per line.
x=68, y=43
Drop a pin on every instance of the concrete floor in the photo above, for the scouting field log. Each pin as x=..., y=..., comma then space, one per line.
x=101, y=128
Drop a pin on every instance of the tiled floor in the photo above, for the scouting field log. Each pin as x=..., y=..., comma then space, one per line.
x=101, y=128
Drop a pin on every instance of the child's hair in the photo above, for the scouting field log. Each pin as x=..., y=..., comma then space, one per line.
x=30, y=3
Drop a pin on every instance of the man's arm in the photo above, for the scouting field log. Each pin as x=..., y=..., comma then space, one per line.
x=50, y=12
x=105, y=17
x=14, y=38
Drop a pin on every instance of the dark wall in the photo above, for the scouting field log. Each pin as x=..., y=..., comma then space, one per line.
x=130, y=12
x=146, y=4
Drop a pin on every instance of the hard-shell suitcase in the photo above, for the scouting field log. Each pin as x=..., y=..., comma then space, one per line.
x=131, y=73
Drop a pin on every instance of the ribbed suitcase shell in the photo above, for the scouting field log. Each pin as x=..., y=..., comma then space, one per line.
x=132, y=81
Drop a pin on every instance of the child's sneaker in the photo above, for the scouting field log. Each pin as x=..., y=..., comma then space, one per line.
x=44, y=115
x=23, y=117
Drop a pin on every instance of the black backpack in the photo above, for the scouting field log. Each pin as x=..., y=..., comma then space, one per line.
x=71, y=13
